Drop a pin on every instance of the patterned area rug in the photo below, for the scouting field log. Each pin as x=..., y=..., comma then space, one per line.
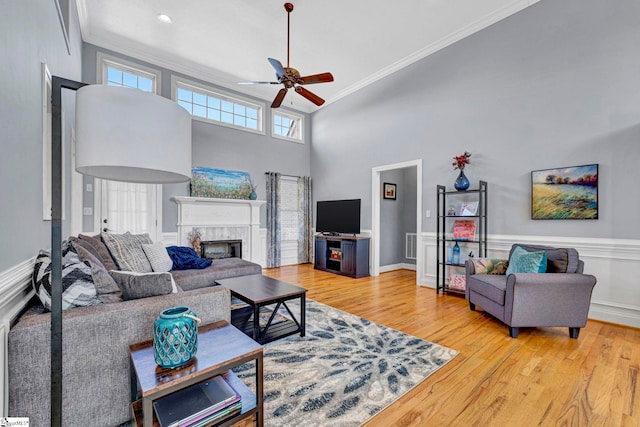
x=343, y=372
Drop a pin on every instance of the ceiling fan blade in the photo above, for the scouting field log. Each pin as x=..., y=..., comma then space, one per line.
x=316, y=78
x=258, y=83
x=279, y=97
x=310, y=95
x=277, y=65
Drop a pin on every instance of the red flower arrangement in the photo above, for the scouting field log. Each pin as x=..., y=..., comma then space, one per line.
x=461, y=161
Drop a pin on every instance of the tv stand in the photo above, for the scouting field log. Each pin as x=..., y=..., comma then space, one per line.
x=346, y=255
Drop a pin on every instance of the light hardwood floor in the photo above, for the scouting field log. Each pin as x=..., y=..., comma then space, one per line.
x=542, y=378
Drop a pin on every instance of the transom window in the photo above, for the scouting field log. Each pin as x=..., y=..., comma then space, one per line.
x=217, y=107
x=287, y=126
x=117, y=72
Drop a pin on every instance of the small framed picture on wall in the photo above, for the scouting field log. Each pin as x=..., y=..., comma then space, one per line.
x=389, y=191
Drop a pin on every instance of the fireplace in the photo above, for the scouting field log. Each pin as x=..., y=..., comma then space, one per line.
x=218, y=249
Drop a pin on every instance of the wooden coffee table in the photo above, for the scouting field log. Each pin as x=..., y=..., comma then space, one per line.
x=261, y=291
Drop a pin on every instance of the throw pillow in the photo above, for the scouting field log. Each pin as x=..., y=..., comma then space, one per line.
x=106, y=288
x=78, y=289
x=136, y=285
x=104, y=256
x=126, y=249
x=158, y=256
x=490, y=266
x=523, y=261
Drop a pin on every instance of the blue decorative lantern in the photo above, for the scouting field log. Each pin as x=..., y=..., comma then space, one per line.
x=175, y=337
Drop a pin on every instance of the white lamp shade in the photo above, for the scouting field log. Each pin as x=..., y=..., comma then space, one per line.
x=125, y=134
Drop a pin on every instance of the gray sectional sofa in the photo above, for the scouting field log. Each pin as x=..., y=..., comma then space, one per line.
x=96, y=339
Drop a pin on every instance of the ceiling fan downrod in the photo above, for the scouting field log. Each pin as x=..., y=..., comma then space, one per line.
x=289, y=8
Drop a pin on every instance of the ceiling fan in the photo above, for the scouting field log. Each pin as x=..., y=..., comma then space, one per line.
x=290, y=77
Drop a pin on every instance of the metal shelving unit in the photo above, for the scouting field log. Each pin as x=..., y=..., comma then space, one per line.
x=445, y=222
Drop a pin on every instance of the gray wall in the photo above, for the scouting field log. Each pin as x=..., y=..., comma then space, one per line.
x=30, y=33
x=397, y=217
x=218, y=146
x=554, y=85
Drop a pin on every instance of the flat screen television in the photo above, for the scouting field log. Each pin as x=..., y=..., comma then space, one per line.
x=338, y=216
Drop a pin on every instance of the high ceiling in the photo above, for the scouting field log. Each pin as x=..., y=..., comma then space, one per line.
x=225, y=42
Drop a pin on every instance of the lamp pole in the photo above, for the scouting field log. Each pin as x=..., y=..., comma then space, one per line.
x=57, y=84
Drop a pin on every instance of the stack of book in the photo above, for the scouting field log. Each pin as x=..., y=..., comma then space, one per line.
x=198, y=405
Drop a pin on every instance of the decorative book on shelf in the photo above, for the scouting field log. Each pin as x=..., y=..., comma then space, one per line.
x=199, y=404
x=464, y=229
x=457, y=281
x=468, y=208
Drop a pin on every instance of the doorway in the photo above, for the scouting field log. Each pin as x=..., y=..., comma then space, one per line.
x=376, y=203
x=123, y=206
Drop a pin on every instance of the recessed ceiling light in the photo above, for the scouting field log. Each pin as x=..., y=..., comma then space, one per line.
x=165, y=18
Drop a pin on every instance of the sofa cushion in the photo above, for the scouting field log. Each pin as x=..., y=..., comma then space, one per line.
x=126, y=249
x=489, y=285
x=158, y=256
x=78, y=289
x=559, y=260
x=101, y=249
x=106, y=288
x=523, y=261
x=136, y=285
x=222, y=269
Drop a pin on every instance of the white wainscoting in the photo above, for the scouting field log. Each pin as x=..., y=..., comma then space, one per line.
x=170, y=238
x=614, y=262
x=15, y=292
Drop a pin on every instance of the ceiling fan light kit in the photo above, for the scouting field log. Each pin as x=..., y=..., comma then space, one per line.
x=290, y=77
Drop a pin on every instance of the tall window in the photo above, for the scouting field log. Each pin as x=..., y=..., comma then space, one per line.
x=217, y=107
x=288, y=126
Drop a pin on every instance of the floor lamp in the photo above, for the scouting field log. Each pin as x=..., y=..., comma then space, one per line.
x=122, y=134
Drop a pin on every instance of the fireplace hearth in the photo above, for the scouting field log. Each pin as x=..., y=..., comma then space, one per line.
x=219, y=249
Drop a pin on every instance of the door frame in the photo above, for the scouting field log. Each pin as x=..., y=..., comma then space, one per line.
x=376, y=191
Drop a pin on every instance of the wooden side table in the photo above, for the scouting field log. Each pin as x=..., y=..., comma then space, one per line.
x=221, y=347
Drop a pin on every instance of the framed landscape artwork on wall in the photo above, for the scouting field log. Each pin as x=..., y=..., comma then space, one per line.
x=219, y=183
x=565, y=193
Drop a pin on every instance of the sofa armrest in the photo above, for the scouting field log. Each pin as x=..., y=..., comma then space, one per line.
x=548, y=299
x=95, y=351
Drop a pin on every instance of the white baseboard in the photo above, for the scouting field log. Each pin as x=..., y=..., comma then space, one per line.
x=399, y=266
x=614, y=262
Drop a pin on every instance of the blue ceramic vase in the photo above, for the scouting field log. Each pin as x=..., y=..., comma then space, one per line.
x=462, y=183
x=175, y=337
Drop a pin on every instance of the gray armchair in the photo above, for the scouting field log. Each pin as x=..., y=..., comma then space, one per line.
x=560, y=297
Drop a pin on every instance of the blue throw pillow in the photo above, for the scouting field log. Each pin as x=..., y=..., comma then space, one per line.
x=523, y=261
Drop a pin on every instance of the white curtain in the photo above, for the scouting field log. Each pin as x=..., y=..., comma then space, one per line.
x=129, y=207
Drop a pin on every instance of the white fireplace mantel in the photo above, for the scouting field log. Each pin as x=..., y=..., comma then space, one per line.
x=222, y=218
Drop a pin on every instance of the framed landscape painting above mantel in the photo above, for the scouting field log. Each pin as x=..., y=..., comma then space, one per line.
x=219, y=183
x=565, y=193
